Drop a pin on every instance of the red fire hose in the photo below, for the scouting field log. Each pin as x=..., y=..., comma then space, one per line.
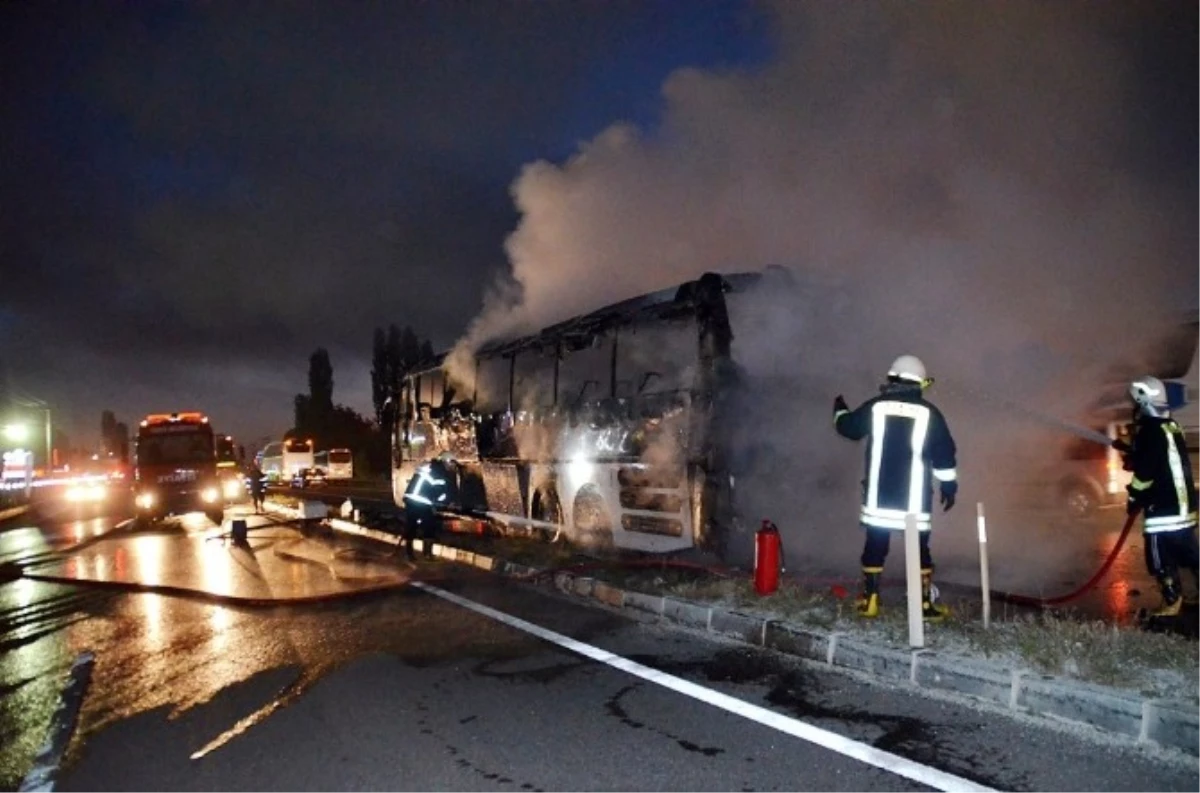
x=1027, y=600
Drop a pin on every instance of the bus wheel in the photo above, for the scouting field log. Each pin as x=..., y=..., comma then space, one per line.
x=547, y=509
x=217, y=516
x=593, y=525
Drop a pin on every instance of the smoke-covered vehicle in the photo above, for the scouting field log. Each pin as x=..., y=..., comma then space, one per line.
x=612, y=427
x=1088, y=476
x=175, y=467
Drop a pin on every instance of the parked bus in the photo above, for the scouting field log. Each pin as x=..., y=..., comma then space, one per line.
x=270, y=461
x=339, y=464
x=175, y=467
x=297, y=454
x=281, y=460
x=608, y=427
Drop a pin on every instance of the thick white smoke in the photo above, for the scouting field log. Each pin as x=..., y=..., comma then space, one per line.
x=953, y=169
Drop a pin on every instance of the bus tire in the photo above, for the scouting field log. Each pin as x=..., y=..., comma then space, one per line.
x=593, y=524
x=217, y=516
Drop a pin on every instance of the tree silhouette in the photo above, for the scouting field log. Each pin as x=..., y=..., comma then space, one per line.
x=381, y=377
x=320, y=382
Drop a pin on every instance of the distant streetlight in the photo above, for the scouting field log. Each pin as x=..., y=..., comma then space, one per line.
x=17, y=433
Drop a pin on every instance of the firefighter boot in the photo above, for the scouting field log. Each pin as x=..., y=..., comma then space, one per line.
x=1172, y=598
x=868, y=602
x=931, y=610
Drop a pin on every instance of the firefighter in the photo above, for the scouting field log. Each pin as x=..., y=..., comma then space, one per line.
x=255, y=480
x=908, y=441
x=427, y=490
x=1163, y=490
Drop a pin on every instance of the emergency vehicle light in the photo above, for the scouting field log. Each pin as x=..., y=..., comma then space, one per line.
x=187, y=417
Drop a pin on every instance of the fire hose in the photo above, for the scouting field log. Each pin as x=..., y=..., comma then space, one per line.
x=1028, y=600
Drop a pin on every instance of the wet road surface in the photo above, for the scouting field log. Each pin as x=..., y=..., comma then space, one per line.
x=403, y=690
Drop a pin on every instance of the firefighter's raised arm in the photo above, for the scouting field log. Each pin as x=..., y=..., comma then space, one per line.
x=852, y=424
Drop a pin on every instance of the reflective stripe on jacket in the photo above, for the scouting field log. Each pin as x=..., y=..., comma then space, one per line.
x=1163, y=484
x=909, y=444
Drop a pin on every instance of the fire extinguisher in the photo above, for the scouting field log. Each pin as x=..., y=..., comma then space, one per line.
x=768, y=558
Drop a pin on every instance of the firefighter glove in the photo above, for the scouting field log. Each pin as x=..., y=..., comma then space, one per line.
x=839, y=405
x=1132, y=506
x=949, y=494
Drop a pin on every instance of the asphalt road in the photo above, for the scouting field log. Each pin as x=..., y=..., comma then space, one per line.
x=404, y=690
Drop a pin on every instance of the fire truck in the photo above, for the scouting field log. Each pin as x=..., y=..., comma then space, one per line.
x=175, y=467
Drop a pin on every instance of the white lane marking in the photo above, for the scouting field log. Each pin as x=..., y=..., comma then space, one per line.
x=901, y=766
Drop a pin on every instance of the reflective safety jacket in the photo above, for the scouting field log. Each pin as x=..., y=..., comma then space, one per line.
x=428, y=485
x=908, y=442
x=1162, y=486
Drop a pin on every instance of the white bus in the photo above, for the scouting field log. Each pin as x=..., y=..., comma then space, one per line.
x=339, y=465
x=297, y=454
x=270, y=461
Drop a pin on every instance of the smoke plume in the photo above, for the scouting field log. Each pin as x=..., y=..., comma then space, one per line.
x=946, y=179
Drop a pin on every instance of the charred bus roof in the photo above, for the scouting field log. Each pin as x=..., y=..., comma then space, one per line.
x=665, y=304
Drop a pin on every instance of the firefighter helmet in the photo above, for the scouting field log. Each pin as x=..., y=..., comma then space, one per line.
x=908, y=367
x=1149, y=394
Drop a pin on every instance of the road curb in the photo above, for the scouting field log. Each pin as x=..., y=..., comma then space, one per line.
x=1168, y=723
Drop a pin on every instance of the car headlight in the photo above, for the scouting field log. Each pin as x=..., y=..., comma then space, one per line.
x=232, y=488
x=209, y=495
x=83, y=493
x=144, y=500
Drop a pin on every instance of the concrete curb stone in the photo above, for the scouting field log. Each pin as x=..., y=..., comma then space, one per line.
x=485, y=562
x=651, y=604
x=1175, y=724
x=686, y=612
x=746, y=627
x=1081, y=702
x=608, y=594
x=951, y=673
x=795, y=640
x=891, y=665
x=1168, y=723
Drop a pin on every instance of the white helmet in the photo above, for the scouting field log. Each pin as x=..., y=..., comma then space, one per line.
x=908, y=367
x=1149, y=394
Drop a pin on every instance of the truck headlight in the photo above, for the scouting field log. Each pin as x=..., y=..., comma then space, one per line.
x=144, y=500
x=209, y=495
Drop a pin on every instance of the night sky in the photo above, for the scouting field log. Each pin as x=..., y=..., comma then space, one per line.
x=198, y=194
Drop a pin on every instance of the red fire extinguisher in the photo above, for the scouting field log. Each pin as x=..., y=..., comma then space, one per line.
x=768, y=558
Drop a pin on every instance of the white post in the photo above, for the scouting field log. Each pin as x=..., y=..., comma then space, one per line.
x=984, y=582
x=912, y=574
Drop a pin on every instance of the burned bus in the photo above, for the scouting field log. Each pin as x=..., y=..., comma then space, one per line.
x=609, y=428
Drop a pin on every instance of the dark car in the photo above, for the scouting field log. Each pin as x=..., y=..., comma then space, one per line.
x=308, y=477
